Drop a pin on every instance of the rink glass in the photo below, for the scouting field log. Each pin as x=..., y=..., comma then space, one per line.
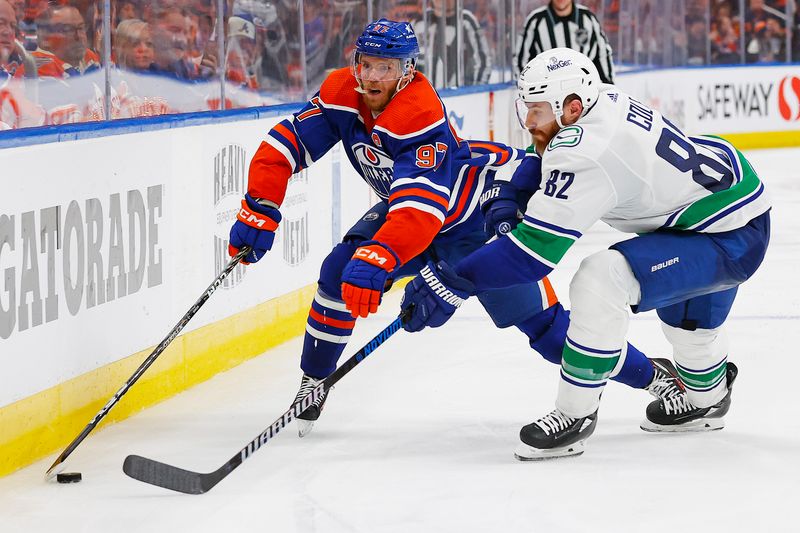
x=145, y=58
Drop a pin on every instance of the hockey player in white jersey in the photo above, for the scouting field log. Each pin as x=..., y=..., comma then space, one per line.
x=702, y=216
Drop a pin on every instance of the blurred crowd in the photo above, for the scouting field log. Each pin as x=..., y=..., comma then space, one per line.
x=172, y=56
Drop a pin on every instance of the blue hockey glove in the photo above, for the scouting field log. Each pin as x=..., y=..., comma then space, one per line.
x=433, y=296
x=365, y=277
x=500, y=208
x=255, y=227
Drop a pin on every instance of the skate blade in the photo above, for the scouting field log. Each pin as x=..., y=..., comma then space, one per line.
x=695, y=426
x=529, y=453
x=304, y=427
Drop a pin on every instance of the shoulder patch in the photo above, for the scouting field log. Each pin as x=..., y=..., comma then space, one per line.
x=568, y=137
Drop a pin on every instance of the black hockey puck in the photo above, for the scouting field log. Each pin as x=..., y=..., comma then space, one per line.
x=69, y=477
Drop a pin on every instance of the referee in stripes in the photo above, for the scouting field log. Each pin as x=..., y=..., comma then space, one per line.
x=563, y=23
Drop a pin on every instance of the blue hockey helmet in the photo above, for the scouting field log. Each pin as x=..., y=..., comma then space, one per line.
x=388, y=39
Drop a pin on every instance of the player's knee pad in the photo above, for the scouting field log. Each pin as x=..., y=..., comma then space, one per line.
x=330, y=273
x=700, y=357
x=604, y=281
x=600, y=293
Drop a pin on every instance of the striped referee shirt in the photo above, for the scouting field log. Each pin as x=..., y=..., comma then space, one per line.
x=441, y=50
x=580, y=31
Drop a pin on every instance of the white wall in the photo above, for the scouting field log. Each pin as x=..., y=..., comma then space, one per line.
x=105, y=243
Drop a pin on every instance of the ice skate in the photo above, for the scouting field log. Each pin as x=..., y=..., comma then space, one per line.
x=306, y=419
x=554, y=435
x=675, y=414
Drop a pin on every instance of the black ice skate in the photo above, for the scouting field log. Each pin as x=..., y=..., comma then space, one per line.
x=306, y=419
x=675, y=414
x=554, y=435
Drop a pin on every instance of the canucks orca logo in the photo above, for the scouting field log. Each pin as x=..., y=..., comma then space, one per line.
x=376, y=167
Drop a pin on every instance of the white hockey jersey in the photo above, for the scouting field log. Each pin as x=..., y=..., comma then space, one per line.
x=627, y=165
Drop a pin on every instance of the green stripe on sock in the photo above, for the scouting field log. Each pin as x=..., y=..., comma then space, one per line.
x=586, y=367
x=701, y=380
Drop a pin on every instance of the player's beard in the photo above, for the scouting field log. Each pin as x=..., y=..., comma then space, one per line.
x=377, y=102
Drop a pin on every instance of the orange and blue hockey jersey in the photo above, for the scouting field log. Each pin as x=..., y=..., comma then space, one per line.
x=409, y=155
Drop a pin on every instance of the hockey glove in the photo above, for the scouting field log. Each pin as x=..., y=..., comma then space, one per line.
x=434, y=296
x=366, y=276
x=500, y=208
x=255, y=227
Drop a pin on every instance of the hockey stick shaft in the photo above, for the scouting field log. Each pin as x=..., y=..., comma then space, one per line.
x=188, y=482
x=150, y=360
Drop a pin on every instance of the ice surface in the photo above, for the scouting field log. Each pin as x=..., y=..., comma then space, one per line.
x=420, y=436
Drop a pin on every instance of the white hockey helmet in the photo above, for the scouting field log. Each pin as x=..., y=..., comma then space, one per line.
x=555, y=74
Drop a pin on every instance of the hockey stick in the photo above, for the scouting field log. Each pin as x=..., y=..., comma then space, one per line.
x=188, y=482
x=149, y=361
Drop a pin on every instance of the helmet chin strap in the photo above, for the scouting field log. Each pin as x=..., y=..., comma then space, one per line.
x=558, y=120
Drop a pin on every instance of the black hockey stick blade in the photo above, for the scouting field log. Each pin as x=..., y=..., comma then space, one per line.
x=158, y=350
x=170, y=477
x=188, y=482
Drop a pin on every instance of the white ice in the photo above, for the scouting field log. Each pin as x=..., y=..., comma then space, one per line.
x=420, y=436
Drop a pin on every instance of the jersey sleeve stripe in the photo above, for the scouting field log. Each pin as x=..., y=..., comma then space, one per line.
x=549, y=246
x=419, y=193
x=288, y=134
x=419, y=206
x=283, y=150
x=549, y=264
x=503, y=154
x=401, y=182
x=462, y=197
x=535, y=222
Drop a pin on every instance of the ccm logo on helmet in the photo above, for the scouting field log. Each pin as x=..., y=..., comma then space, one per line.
x=556, y=63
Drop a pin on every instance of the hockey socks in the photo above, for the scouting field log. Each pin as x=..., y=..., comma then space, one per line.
x=547, y=333
x=328, y=329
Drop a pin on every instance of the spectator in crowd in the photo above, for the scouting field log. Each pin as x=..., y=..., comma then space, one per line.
x=133, y=45
x=63, y=44
x=755, y=28
x=16, y=110
x=277, y=61
x=315, y=26
x=242, y=51
x=127, y=10
x=724, y=42
x=696, y=42
x=170, y=31
x=438, y=30
x=348, y=22
x=8, y=41
x=563, y=23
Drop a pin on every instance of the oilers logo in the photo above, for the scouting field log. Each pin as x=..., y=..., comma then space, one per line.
x=377, y=168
